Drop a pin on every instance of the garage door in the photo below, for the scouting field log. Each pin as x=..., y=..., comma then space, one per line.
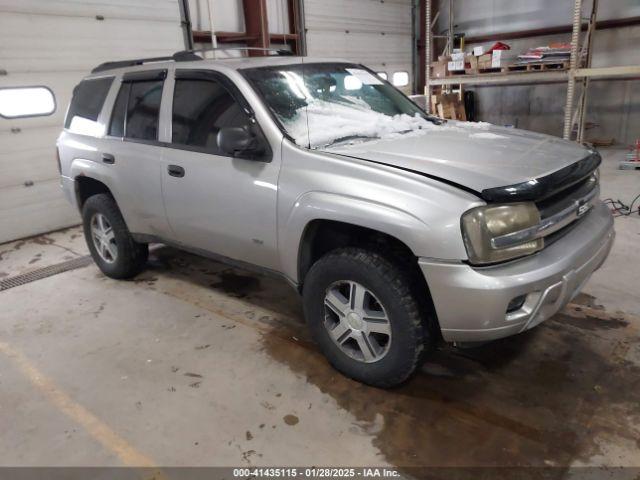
x=55, y=43
x=375, y=33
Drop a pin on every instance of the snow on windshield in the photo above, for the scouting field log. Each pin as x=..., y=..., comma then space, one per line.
x=331, y=105
x=323, y=123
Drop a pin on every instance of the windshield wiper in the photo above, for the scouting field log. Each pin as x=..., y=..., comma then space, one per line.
x=350, y=137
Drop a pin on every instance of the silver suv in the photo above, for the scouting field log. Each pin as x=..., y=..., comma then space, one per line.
x=398, y=229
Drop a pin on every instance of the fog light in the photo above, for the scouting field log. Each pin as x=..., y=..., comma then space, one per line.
x=516, y=303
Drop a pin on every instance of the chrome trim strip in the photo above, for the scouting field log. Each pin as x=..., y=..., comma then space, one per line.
x=548, y=225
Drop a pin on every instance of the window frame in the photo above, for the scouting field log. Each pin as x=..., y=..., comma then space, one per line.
x=178, y=74
x=22, y=87
x=132, y=77
x=236, y=94
x=119, y=88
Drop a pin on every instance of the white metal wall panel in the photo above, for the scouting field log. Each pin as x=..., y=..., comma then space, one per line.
x=481, y=17
x=377, y=34
x=228, y=15
x=55, y=43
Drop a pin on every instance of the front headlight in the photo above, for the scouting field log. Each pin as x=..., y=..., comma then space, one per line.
x=483, y=224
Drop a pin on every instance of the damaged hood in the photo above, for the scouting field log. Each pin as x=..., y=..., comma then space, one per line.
x=482, y=157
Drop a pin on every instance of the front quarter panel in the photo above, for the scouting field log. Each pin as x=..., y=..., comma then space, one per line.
x=421, y=212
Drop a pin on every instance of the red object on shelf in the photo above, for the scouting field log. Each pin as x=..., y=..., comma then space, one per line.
x=498, y=46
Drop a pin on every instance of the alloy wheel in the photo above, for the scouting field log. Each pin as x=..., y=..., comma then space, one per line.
x=104, y=238
x=356, y=321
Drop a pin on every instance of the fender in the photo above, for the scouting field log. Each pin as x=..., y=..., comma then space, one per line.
x=82, y=167
x=356, y=211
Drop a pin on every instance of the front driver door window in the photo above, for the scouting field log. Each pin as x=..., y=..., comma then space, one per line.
x=200, y=109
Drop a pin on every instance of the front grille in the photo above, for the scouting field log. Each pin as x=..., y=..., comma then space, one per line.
x=563, y=199
x=572, y=197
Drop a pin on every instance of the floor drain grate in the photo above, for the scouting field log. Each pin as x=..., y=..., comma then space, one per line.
x=45, y=272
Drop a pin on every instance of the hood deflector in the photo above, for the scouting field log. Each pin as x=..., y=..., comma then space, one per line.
x=530, y=191
x=544, y=187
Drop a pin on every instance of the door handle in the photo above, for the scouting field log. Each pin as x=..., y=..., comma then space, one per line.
x=175, y=170
x=108, y=158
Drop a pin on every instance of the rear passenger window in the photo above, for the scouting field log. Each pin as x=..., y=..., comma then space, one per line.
x=136, y=110
x=87, y=101
x=200, y=108
x=143, y=110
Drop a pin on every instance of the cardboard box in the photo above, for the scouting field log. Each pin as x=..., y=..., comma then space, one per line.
x=484, y=61
x=456, y=64
x=471, y=65
x=438, y=69
x=448, y=105
x=491, y=60
x=496, y=58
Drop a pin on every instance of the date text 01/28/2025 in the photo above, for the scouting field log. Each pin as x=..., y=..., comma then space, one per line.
x=315, y=472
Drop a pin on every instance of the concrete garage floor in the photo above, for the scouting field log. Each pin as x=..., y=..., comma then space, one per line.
x=194, y=363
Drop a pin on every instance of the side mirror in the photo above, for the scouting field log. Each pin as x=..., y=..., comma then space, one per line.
x=240, y=142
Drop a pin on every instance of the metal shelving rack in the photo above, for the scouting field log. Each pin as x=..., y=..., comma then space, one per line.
x=571, y=76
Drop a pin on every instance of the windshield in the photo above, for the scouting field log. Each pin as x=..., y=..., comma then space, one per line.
x=325, y=104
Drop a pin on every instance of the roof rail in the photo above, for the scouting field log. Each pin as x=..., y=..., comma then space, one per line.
x=128, y=63
x=181, y=56
x=188, y=55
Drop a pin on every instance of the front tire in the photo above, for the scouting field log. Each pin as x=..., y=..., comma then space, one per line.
x=363, y=315
x=111, y=245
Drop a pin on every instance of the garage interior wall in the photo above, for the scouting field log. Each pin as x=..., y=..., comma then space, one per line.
x=613, y=107
x=376, y=33
x=55, y=43
x=228, y=15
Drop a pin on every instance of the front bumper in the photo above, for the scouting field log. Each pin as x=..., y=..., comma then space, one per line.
x=471, y=303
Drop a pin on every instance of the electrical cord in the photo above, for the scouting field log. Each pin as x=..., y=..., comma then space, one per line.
x=620, y=209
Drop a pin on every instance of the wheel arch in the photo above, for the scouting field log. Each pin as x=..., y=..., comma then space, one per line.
x=321, y=221
x=322, y=236
x=86, y=187
x=315, y=209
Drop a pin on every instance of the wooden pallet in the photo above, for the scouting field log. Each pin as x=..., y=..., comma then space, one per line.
x=537, y=66
x=489, y=70
x=529, y=67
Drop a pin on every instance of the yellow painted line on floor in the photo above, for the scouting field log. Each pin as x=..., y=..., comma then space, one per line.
x=100, y=431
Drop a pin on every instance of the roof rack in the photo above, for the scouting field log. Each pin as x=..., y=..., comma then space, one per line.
x=192, y=54
x=181, y=56
x=128, y=63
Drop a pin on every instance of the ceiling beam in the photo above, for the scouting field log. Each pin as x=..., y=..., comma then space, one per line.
x=202, y=36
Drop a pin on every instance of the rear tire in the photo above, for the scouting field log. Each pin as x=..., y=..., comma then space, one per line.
x=380, y=344
x=111, y=245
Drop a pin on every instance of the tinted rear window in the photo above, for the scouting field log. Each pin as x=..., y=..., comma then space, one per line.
x=87, y=101
x=143, y=110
